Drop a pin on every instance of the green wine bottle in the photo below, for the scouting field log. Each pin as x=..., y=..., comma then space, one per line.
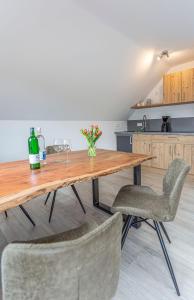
x=33, y=147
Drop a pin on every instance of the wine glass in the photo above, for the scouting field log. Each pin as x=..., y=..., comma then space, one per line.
x=58, y=145
x=67, y=148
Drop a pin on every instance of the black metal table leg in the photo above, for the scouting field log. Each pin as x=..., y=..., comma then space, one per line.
x=137, y=175
x=27, y=215
x=52, y=205
x=47, y=198
x=78, y=198
x=96, y=202
x=137, y=181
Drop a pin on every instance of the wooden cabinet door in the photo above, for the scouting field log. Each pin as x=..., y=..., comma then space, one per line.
x=168, y=154
x=175, y=87
x=178, y=150
x=193, y=84
x=172, y=151
x=172, y=87
x=178, y=87
x=192, y=160
x=147, y=150
x=166, y=88
x=187, y=85
x=188, y=156
x=138, y=146
x=142, y=145
x=158, y=152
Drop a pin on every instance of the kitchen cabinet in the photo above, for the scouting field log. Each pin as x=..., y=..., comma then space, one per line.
x=168, y=155
x=175, y=87
x=193, y=83
x=165, y=148
x=157, y=151
x=124, y=143
x=187, y=85
x=142, y=145
x=172, y=151
x=166, y=89
x=178, y=151
x=147, y=150
x=178, y=87
x=187, y=155
x=172, y=88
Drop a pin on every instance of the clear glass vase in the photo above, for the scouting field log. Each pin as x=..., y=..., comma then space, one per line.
x=91, y=151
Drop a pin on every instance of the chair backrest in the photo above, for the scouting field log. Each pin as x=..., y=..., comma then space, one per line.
x=50, y=150
x=86, y=268
x=173, y=183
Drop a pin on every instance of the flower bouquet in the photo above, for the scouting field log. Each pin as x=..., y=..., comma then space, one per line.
x=92, y=135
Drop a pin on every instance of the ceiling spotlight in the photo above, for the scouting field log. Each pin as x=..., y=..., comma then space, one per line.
x=163, y=54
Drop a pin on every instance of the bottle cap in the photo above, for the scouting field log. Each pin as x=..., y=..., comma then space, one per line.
x=31, y=130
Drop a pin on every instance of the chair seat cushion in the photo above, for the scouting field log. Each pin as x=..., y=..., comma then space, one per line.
x=142, y=201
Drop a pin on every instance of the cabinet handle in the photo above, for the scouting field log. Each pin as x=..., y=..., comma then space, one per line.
x=130, y=140
x=175, y=149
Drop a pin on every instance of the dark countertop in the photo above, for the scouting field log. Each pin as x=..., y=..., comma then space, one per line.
x=129, y=133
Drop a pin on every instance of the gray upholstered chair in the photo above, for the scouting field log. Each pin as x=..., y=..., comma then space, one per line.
x=143, y=202
x=51, y=150
x=80, y=264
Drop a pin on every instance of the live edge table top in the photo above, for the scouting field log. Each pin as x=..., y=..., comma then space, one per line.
x=19, y=184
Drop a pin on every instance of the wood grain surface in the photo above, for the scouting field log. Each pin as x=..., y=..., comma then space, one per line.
x=19, y=184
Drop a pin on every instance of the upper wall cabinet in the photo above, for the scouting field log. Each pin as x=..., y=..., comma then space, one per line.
x=178, y=88
x=172, y=88
x=187, y=85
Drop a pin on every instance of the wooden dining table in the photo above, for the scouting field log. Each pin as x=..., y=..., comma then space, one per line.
x=19, y=184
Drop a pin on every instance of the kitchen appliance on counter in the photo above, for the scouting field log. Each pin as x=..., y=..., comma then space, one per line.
x=166, y=126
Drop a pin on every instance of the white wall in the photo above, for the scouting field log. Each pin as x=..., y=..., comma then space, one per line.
x=60, y=61
x=14, y=135
x=156, y=94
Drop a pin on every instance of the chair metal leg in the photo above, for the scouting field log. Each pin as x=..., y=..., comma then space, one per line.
x=166, y=256
x=47, y=198
x=126, y=228
x=78, y=198
x=125, y=220
x=52, y=205
x=165, y=232
x=6, y=215
x=27, y=215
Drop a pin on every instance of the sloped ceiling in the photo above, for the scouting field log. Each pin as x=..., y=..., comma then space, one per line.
x=87, y=59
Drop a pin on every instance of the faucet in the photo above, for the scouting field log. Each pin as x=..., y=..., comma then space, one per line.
x=144, y=123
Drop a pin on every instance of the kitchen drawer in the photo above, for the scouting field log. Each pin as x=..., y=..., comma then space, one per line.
x=173, y=139
x=142, y=137
x=165, y=138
